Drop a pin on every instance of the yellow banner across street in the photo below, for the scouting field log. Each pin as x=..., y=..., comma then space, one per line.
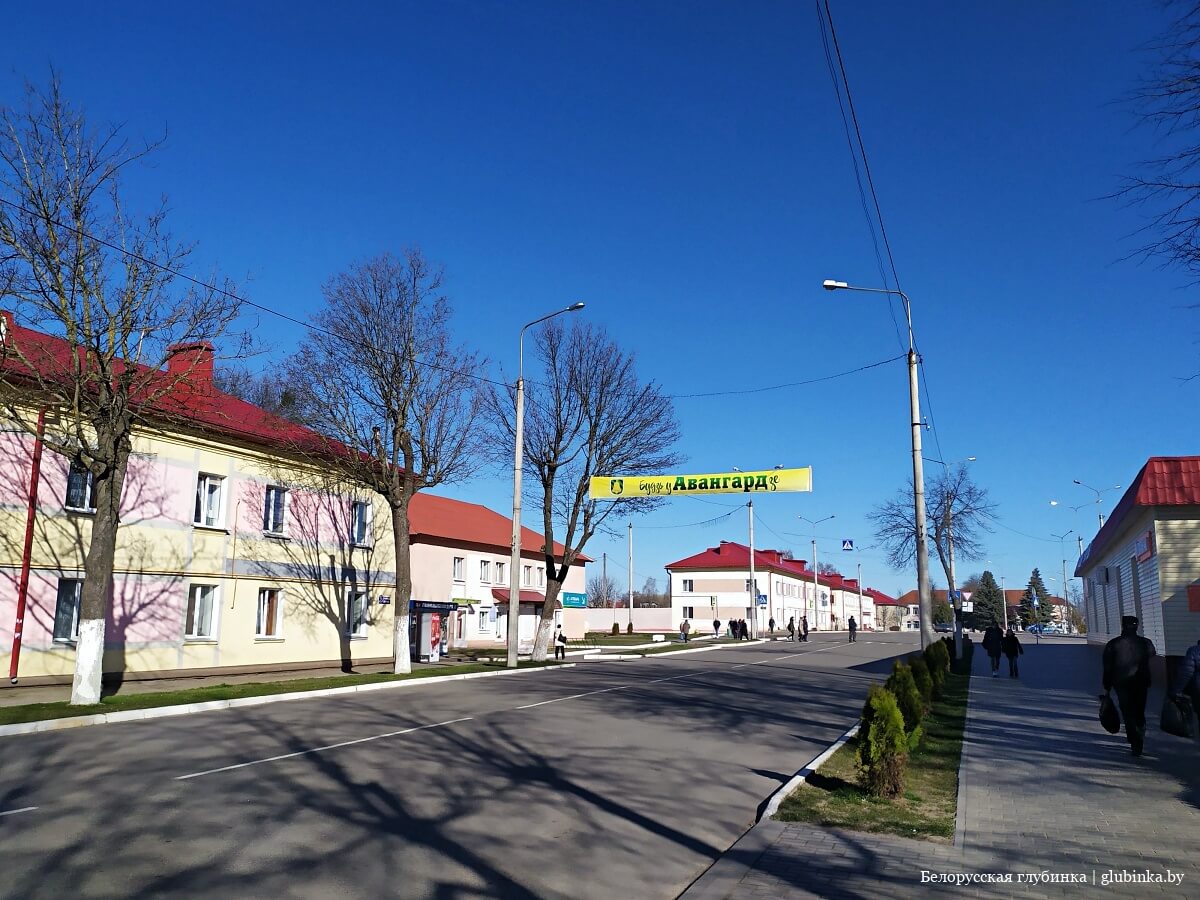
x=616, y=487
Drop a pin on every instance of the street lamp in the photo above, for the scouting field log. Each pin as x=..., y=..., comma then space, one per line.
x=816, y=587
x=914, y=407
x=1098, y=492
x=514, y=571
x=1062, y=551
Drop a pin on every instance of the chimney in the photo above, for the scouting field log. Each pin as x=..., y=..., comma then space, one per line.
x=193, y=362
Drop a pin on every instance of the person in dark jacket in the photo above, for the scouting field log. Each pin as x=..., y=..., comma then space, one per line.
x=1127, y=671
x=792, y=628
x=804, y=628
x=853, y=626
x=716, y=628
x=1187, y=678
x=1012, y=649
x=993, y=643
x=743, y=630
x=771, y=626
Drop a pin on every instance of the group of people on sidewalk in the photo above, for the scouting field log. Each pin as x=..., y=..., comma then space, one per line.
x=793, y=634
x=998, y=644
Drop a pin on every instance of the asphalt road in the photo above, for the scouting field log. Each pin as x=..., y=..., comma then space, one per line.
x=606, y=780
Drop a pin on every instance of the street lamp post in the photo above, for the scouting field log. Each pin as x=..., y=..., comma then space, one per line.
x=1062, y=551
x=1098, y=492
x=514, y=568
x=914, y=406
x=816, y=584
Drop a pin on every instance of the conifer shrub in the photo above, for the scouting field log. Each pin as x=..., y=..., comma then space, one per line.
x=922, y=678
x=616, y=629
x=629, y=628
x=882, y=746
x=935, y=656
x=908, y=698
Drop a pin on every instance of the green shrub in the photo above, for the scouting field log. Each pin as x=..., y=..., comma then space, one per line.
x=914, y=740
x=882, y=746
x=934, y=655
x=937, y=657
x=616, y=629
x=908, y=698
x=629, y=628
x=922, y=678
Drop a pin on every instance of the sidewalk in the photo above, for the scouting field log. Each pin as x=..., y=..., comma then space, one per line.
x=1042, y=789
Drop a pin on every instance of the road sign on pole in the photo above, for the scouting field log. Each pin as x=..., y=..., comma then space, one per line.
x=847, y=544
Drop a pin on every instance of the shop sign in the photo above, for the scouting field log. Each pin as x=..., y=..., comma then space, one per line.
x=385, y=600
x=617, y=487
x=1143, y=547
x=572, y=600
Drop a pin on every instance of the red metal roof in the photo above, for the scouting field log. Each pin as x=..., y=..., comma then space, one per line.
x=431, y=516
x=732, y=555
x=1163, y=481
x=1012, y=597
x=501, y=595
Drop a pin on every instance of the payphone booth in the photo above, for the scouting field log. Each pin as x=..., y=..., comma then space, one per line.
x=427, y=630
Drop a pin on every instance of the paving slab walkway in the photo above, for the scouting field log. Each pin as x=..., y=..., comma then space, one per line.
x=1042, y=790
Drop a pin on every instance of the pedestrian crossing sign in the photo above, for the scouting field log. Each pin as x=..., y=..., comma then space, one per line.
x=847, y=544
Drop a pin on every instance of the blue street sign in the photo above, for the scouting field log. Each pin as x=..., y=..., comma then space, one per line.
x=571, y=600
x=847, y=544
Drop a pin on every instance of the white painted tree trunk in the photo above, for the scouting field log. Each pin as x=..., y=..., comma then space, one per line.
x=89, y=662
x=400, y=642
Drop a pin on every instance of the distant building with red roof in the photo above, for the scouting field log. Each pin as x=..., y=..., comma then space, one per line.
x=1145, y=560
x=715, y=585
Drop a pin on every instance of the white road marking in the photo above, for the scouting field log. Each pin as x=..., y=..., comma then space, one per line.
x=13, y=812
x=376, y=737
x=619, y=687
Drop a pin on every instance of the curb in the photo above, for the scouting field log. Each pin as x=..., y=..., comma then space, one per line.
x=960, y=810
x=800, y=777
x=184, y=709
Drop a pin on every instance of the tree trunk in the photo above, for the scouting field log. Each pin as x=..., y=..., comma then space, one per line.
x=97, y=581
x=545, y=629
x=403, y=588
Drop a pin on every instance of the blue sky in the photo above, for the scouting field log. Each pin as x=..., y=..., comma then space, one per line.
x=682, y=169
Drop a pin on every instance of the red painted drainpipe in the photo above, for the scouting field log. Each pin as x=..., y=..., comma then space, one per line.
x=23, y=588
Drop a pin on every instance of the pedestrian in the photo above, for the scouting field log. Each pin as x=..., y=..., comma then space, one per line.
x=791, y=628
x=771, y=625
x=1012, y=649
x=993, y=643
x=745, y=630
x=1127, y=671
x=804, y=628
x=560, y=644
x=716, y=628
x=1187, y=678
x=684, y=628
x=853, y=626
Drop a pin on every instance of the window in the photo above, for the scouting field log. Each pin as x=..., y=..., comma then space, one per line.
x=270, y=613
x=485, y=571
x=484, y=624
x=526, y=575
x=689, y=585
x=66, y=609
x=209, y=500
x=275, y=510
x=458, y=568
x=356, y=613
x=201, y=612
x=689, y=612
x=79, y=489
x=500, y=570
x=541, y=577
x=360, y=523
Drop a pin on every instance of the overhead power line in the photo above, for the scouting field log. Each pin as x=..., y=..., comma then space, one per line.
x=790, y=384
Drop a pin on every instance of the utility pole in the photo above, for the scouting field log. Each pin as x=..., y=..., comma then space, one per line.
x=631, y=575
x=1004, y=601
x=753, y=587
x=604, y=578
x=816, y=588
x=859, y=582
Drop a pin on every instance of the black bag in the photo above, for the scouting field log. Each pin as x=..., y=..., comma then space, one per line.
x=1109, y=717
x=1176, y=717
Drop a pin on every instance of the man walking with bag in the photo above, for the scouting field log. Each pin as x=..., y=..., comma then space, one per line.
x=1127, y=671
x=1187, y=678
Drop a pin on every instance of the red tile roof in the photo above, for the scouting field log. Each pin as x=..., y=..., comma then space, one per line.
x=735, y=556
x=1163, y=481
x=431, y=516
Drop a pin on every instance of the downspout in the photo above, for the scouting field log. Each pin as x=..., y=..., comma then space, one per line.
x=35, y=473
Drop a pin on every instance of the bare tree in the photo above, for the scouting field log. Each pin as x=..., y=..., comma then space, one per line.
x=76, y=264
x=958, y=511
x=824, y=568
x=381, y=376
x=588, y=414
x=601, y=592
x=268, y=390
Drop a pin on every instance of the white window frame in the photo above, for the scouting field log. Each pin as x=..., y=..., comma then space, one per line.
x=458, y=567
x=89, y=490
x=75, y=585
x=689, y=585
x=189, y=613
x=277, y=628
x=485, y=571
x=278, y=529
x=526, y=576
x=485, y=625
x=356, y=625
x=361, y=537
x=501, y=569
x=541, y=576
x=204, y=481
x=689, y=612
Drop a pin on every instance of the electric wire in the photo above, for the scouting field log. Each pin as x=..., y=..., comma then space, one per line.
x=791, y=384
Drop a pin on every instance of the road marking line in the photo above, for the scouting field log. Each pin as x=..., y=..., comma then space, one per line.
x=13, y=812
x=376, y=737
x=619, y=687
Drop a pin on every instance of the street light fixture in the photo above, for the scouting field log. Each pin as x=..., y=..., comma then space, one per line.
x=1098, y=492
x=914, y=405
x=816, y=585
x=514, y=569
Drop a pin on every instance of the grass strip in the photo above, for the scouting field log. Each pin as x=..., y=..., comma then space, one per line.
x=36, y=712
x=831, y=797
